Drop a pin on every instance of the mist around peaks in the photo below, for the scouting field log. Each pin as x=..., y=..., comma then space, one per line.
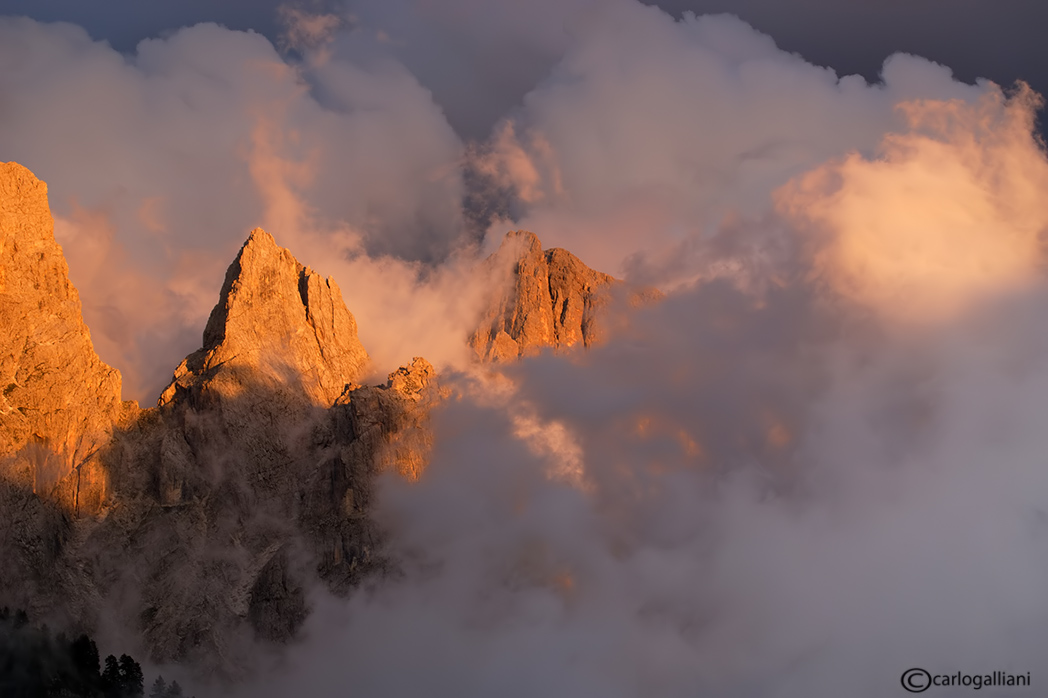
x=815, y=462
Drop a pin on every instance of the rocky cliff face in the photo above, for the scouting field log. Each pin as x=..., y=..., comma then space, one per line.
x=201, y=523
x=252, y=479
x=59, y=402
x=549, y=299
x=59, y=405
x=276, y=323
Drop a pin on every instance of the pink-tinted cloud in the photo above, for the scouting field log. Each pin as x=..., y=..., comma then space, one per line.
x=947, y=213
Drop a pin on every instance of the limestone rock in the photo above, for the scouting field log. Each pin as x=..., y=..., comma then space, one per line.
x=392, y=421
x=59, y=404
x=277, y=324
x=200, y=522
x=252, y=478
x=551, y=299
x=58, y=401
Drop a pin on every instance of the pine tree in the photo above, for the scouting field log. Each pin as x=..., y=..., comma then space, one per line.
x=174, y=690
x=36, y=664
x=132, y=682
x=110, y=682
x=159, y=689
x=83, y=654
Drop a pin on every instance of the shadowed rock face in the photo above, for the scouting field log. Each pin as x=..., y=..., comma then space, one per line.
x=229, y=520
x=550, y=299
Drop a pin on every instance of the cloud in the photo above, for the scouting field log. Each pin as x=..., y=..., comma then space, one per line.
x=304, y=30
x=187, y=145
x=798, y=485
x=477, y=58
x=896, y=524
x=947, y=211
x=816, y=464
x=674, y=126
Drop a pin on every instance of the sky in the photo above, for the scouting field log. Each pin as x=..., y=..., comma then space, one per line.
x=1000, y=41
x=818, y=462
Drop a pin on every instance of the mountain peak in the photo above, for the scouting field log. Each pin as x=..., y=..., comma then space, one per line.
x=551, y=299
x=277, y=322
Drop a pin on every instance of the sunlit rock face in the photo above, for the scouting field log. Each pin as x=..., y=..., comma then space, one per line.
x=58, y=407
x=277, y=324
x=58, y=401
x=198, y=524
x=548, y=299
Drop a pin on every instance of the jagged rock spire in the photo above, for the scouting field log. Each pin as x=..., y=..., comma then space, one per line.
x=276, y=321
x=550, y=299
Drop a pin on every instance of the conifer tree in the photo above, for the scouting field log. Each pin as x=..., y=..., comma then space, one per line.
x=132, y=682
x=110, y=682
x=159, y=689
x=83, y=654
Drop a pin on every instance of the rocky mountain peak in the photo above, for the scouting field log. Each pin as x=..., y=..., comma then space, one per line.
x=549, y=299
x=255, y=478
x=277, y=322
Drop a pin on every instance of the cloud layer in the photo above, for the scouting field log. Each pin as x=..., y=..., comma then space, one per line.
x=158, y=165
x=801, y=488
x=816, y=464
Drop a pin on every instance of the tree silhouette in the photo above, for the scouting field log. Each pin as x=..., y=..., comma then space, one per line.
x=159, y=689
x=110, y=682
x=162, y=689
x=132, y=681
x=83, y=654
x=36, y=664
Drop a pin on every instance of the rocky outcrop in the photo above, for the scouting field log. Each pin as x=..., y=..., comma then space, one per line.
x=549, y=299
x=277, y=323
x=203, y=521
x=200, y=522
x=59, y=405
x=252, y=479
x=392, y=421
x=58, y=401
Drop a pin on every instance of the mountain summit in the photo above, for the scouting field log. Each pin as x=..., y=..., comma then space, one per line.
x=276, y=322
x=200, y=523
x=551, y=299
